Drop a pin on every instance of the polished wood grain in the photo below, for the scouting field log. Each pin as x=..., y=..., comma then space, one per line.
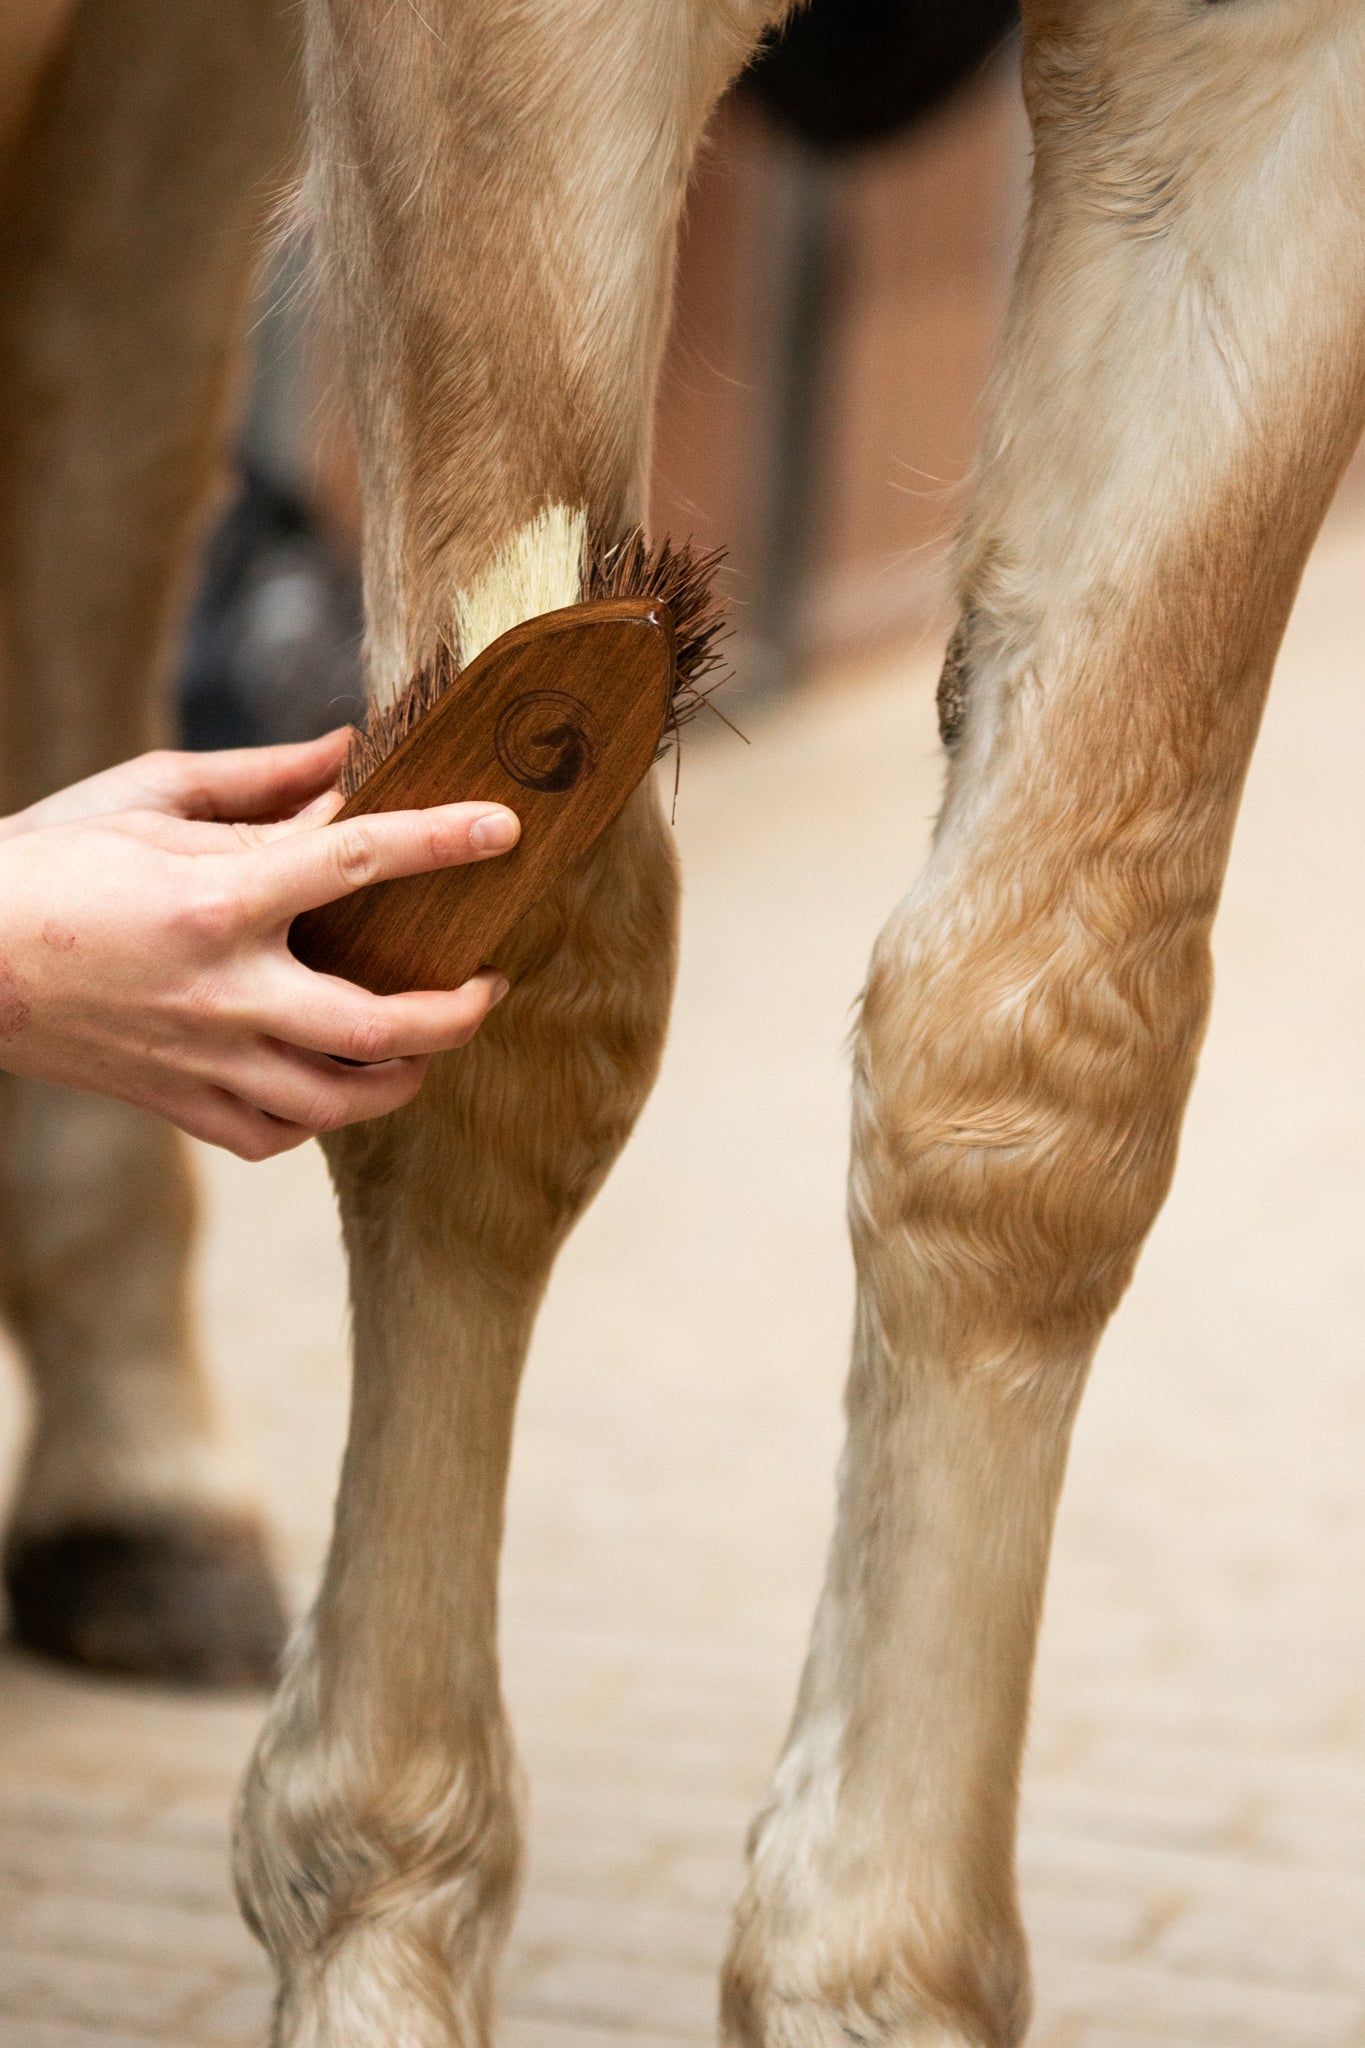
x=560, y=720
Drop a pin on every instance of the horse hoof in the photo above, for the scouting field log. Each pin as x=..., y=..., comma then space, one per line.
x=181, y=1598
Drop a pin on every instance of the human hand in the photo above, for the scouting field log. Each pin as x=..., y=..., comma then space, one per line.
x=144, y=955
x=236, y=784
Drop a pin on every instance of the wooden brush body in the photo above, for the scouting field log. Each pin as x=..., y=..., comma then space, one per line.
x=559, y=719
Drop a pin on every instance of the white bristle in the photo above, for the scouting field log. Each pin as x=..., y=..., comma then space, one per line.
x=546, y=567
x=540, y=569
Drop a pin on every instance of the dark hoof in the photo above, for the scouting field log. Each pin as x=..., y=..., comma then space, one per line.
x=183, y=1599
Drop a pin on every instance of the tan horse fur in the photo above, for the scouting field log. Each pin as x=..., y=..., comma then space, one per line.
x=495, y=186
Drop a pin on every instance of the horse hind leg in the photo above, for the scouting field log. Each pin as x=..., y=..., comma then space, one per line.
x=128, y=212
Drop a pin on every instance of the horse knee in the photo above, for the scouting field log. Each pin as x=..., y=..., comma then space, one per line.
x=511, y=1137
x=1020, y=1077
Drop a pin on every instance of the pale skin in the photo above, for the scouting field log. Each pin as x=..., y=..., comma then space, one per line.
x=144, y=919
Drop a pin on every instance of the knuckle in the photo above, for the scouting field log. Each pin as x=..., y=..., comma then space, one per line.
x=201, y=1005
x=326, y=1110
x=356, y=858
x=370, y=1040
x=212, y=915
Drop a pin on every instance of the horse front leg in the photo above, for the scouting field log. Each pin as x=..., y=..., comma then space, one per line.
x=1182, y=384
x=496, y=187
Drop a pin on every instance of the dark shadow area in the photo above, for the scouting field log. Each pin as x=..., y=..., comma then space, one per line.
x=273, y=650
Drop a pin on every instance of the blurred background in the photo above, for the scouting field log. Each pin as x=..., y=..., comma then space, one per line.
x=1193, y=1845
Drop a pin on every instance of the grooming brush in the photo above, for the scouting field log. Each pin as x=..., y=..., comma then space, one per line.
x=559, y=718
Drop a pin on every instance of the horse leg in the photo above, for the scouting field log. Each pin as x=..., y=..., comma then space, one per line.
x=31, y=32
x=1182, y=385
x=496, y=188
x=127, y=220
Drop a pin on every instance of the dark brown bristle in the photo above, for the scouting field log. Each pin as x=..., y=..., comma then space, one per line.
x=684, y=582
x=675, y=577
x=387, y=724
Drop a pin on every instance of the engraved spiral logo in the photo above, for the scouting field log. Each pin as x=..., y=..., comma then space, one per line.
x=546, y=740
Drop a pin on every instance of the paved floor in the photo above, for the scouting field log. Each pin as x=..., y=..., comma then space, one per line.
x=1194, y=1842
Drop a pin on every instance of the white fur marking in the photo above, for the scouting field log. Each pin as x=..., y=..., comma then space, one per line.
x=540, y=570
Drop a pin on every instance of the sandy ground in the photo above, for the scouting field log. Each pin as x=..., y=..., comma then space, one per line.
x=1194, y=1836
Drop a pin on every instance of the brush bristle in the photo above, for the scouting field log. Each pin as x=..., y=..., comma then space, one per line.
x=684, y=583
x=387, y=724
x=678, y=578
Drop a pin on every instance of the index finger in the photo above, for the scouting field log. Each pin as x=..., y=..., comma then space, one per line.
x=311, y=868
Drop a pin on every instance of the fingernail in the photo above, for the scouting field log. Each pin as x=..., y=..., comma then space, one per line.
x=494, y=832
x=498, y=990
x=328, y=804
